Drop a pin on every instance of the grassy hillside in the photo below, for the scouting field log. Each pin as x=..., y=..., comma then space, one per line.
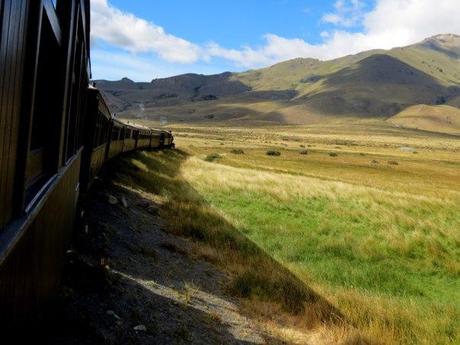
x=371, y=84
x=440, y=118
x=364, y=214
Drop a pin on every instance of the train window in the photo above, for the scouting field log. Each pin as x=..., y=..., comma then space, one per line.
x=97, y=130
x=47, y=110
x=78, y=89
x=103, y=133
x=115, y=133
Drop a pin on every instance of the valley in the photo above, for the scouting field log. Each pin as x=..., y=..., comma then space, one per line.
x=327, y=191
x=362, y=214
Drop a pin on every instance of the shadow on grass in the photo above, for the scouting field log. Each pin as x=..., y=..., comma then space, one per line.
x=254, y=273
x=102, y=305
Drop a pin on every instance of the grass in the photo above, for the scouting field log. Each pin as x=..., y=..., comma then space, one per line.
x=306, y=91
x=237, y=151
x=273, y=153
x=439, y=118
x=361, y=250
x=212, y=157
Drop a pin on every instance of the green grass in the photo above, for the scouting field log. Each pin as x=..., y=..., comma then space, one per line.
x=339, y=242
x=325, y=238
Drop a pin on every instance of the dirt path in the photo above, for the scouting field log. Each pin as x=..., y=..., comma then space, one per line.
x=129, y=282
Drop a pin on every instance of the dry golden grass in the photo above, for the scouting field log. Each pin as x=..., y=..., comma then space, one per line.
x=439, y=118
x=323, y=249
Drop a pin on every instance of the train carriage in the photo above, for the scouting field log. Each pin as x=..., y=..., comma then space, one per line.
x=129, y=142
x=55, y=136
x=168, y=140
x=116, y=139
x=143, y=140
x=44, y=73
x=156, y=140
x=96, y=136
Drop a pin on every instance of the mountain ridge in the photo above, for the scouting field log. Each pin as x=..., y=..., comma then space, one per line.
x=375, y=83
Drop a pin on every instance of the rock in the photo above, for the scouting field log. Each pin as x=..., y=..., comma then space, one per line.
x=112, y=313
x=112, y=200
x=153, y=209
x=407, y=149
x=140, y=328
x=143, y=203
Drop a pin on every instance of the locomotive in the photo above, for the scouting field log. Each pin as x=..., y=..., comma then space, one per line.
x=56, y=132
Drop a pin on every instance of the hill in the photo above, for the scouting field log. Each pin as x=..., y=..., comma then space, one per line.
x=370, y=84
x=439, y=118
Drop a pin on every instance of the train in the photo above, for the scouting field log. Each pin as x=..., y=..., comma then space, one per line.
x=107, y=137
x=56, y=133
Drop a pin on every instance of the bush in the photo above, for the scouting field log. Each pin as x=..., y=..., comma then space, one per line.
x=304, y=152
x=333, y=154
x=302, y=146
x=237, y=152
x=375, y=162
x=393, y=163
x=273, y=153
x=212, y=157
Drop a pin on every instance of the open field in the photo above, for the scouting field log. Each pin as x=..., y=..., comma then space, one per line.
x=350, y=234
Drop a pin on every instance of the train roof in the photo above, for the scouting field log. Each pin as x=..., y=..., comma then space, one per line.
x=120, y=122
x=134, y=125
x=102, y=103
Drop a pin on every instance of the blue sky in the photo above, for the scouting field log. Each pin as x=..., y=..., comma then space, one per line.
x=146, y=39
x=234, y=22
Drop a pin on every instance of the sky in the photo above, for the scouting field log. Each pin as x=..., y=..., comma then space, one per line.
x=149, y=39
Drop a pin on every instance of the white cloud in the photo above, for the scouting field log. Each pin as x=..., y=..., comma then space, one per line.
x=138, y=35
x=347, y=13
x=389, y=24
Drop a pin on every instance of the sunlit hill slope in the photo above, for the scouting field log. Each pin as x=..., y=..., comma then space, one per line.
x=372, y=84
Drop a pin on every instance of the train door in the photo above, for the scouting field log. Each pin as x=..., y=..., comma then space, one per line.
x=162, y=140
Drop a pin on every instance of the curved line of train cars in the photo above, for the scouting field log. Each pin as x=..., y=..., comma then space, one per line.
x=55, y=135
x=107, y=137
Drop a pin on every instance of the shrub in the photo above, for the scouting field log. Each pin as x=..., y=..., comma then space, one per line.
x=302, y=146
x=333, y=154
x=304, y=152
x=237, y=152
x=273, y=153
x=393, y=163
x=212, y=157
x=375, y=162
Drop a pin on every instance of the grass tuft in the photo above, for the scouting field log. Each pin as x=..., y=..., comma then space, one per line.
x=273, y=153
x=237, y=152
x=212, y=157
